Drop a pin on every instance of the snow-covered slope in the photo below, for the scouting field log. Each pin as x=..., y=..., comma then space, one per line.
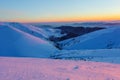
x=19, y=43
x=35, y=31
x=46, y=69
x=102, y=39
x=42, y=32
x=101, y=55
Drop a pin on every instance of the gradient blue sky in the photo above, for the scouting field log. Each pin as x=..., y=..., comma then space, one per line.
x=59, y=10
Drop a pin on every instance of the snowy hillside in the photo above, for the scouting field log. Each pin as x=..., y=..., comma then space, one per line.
x=63, y=32
x=21, y=38
x=20, y=43
x=38, y=32
x=101, y=55
x=46, y=69
x=71, y=32
x=101, y=39
x=24, y=40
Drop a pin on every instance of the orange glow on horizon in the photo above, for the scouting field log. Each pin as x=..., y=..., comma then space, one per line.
x=71, y=19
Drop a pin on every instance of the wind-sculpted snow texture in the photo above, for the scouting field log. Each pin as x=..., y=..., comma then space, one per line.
x=45, y=69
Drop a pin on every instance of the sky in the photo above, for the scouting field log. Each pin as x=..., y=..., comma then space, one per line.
x=59, y=10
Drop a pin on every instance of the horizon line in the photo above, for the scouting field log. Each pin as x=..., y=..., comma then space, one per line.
x=62, y=21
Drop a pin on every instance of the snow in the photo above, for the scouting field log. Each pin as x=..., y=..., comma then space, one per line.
x=102, y=39
x=38, y=32
x=47, y=69
x=84, y=55
x=42, y=32
x=100, y=55
x=52, y=32
x=17, y=43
